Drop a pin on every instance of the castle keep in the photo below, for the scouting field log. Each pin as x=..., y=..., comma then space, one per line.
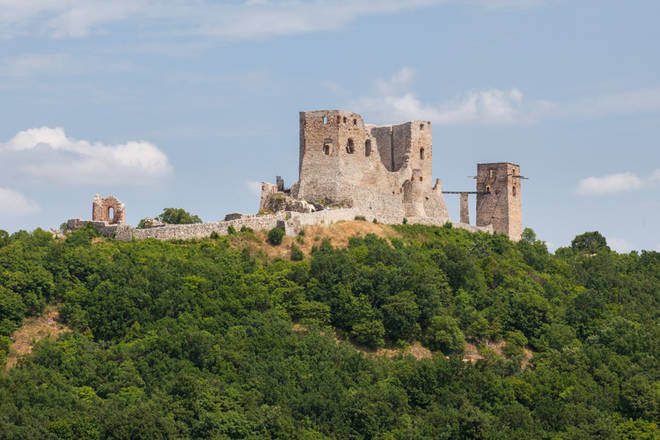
x=350, y=169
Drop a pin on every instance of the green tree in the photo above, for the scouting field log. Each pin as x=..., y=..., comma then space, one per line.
x=590, y=242
x=177, y=216
x=275, y=236
x=444, y=335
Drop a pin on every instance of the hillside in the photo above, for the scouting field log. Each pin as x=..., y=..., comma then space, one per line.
x=459, y=336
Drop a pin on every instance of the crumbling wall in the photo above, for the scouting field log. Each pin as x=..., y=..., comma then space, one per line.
x=498, y=198
x=344, y=159
x=109, y=210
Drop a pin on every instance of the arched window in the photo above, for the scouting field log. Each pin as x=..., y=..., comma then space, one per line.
x=326, y=149
x=325, y=120
x=350, y=147
x=421, y=153
x=487, y=189
x=367, y=147
x=354, y=121
x=111, y=213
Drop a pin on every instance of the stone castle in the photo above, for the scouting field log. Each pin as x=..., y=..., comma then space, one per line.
x=350, y=169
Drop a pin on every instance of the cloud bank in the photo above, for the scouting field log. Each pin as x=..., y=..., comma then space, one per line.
x=617, y=183
x=13, y=203
x=225, y=19
x=49, y=154
x=393, y=101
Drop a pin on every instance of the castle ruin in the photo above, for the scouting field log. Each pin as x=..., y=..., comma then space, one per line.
x=350, y=169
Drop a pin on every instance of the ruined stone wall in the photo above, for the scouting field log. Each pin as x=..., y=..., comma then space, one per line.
x=381, y=170
x=498, y=198
x=109, y=210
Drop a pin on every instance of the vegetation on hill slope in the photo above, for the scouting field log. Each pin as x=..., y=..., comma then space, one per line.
x=195, y=340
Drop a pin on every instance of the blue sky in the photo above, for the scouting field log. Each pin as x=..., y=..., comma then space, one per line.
x=189, y=103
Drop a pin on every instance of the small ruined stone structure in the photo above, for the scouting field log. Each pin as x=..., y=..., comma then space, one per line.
x=108, y=210
x=349, y=169
x=498, y=198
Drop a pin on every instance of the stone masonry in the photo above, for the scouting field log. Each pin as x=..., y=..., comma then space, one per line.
x=498, y=198
x=349, y=169
x=108, y=210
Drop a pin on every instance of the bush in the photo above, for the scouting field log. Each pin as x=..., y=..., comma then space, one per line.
x=231, y=230
x=246, y=229
x=296, y=253
x=369, y=333
x=444, y=335
x=275, y=236
x=214, y=235
x=177, y=216
x=361, y=218
x=405, y=221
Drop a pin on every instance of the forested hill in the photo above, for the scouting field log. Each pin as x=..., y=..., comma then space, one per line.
x=196, y=340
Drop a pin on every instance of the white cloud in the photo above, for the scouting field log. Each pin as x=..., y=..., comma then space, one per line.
x=29, y=64
x=392, y=101
x=49, y=154
x=63, y=18
x=616, y=183
x=609, y=184
x=620, y=245
x=246, y=19
x=13, y=203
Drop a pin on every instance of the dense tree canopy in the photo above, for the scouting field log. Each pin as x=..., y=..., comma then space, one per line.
x=196, y=339
x=177, y=216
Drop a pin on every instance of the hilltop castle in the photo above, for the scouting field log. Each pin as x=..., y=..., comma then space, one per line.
x=350, y=169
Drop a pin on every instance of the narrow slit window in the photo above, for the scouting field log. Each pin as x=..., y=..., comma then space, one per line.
x=367, y=147
x=344, y=119
x=325, y=120
x=111, y=213
x=326, y=149
x=421, y=126
x=421, y=153
x=338, y=119
x=515, y=191
x=354, y=121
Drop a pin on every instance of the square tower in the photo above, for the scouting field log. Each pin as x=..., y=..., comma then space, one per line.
x=498, y=198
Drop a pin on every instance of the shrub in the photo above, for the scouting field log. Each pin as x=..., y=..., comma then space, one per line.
x=405, y=221
x=275, y=236
x=361, y=218
x=369, y=333
x=214, y=235
x=444, y=335
x=375, y=220
x=231, y=230
x=246, y=229
x=296, y=253
x=177, y=216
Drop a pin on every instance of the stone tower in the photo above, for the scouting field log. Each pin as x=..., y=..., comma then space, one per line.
x=498, y=198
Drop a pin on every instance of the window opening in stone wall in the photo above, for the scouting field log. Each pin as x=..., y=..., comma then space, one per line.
x=111, y=213
x=354, y=121
x=421, y=178
x=326, y=149
x=325, y=120
x=345, y=119
x=421, y=153
x=350, y=147
x=514, y=190
x=487, y=189
x=421, y=126
x=367, y=147
x=338, y=119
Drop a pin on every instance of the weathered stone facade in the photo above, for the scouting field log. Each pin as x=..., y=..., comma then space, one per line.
x=384, y=171
x=108, y=210
x=498, y=198
x=348, y=169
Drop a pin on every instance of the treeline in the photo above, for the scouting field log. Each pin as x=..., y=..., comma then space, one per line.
x=195, y=339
